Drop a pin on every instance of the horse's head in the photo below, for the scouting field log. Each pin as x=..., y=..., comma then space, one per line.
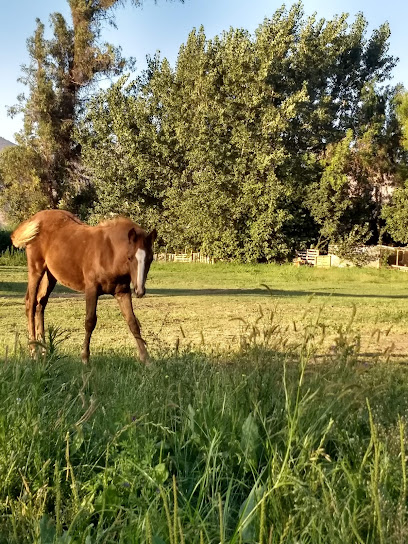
x=140, y=257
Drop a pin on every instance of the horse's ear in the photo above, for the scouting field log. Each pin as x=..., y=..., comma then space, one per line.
x=152, y=236
x=132, y=236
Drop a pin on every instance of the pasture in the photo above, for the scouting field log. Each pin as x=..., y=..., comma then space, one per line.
x=214, y=308
x=267, y=415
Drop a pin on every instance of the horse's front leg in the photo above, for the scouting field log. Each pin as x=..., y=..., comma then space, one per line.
x=91, y=299
x=125, y=305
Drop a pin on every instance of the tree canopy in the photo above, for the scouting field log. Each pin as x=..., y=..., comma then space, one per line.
x=252, y=145
x=61, y=72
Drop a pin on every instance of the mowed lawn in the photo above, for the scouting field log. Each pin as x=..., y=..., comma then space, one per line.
x=213, y=307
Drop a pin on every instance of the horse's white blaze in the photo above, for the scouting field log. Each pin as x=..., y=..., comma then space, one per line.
x=141, y=261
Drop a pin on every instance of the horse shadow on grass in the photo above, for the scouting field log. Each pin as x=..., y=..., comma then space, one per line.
x=10, y=289
x=13, y=289
x=259, y=292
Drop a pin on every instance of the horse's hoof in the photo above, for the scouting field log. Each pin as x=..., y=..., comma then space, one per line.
x=144, y=358
x=33, y=349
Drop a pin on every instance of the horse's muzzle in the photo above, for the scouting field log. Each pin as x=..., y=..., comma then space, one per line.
x=140, y=293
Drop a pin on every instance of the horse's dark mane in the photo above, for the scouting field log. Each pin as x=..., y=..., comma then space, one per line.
x=77, y=220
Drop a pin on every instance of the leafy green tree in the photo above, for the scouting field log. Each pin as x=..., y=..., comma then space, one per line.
x=402, y=114
x=330, y=197
x=21, y=190
x=62, y=71
x=223, y=149
x=122, y=153
x=396, y=215
x=359, y=172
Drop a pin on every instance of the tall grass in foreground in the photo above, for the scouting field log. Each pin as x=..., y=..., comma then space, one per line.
x=258, y=447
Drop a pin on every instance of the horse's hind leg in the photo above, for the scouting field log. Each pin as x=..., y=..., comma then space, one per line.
x=35, y=275
x=91, y=298
x=46, y=286
x=125, y=305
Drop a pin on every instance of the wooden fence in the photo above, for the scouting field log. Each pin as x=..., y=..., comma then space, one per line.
x=377, y=256
x=183, y=258
x=306, y=257
x=323, y=261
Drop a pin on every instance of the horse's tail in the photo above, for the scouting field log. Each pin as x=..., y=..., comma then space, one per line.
x=25, y=233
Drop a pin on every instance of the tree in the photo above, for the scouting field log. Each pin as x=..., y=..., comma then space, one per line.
x=230, y=140
x=395, y=213
x=402, y=115
x=123, y=155
x=61, y=73
x=21, y=190
x=360, y=171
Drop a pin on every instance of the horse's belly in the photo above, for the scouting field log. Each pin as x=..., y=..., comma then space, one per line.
x=68, y=275
x=75, y=286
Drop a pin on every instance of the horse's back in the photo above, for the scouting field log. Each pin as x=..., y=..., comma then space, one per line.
x=55, y=219
x=48, y=239
x=76, y=254
x=55, y=228
x=35, y=227
x=80, y=256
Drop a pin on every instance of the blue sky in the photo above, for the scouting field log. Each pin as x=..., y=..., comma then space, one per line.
x=165, y=26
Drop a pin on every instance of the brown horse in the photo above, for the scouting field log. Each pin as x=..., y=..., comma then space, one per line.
x=95, y=260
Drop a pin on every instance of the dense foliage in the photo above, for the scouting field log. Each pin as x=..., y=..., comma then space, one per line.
x=396, y=211
x=45, y=170
x=249, y=147
x=252, y=145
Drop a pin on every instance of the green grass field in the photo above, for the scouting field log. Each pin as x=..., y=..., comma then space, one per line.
x=267, y=415
x=212, y=307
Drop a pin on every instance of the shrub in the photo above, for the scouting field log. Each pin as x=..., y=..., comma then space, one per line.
x=13, y=257
x=5, y=240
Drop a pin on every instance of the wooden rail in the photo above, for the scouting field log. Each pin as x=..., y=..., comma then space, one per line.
x=183, y=258
x=307, y=256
